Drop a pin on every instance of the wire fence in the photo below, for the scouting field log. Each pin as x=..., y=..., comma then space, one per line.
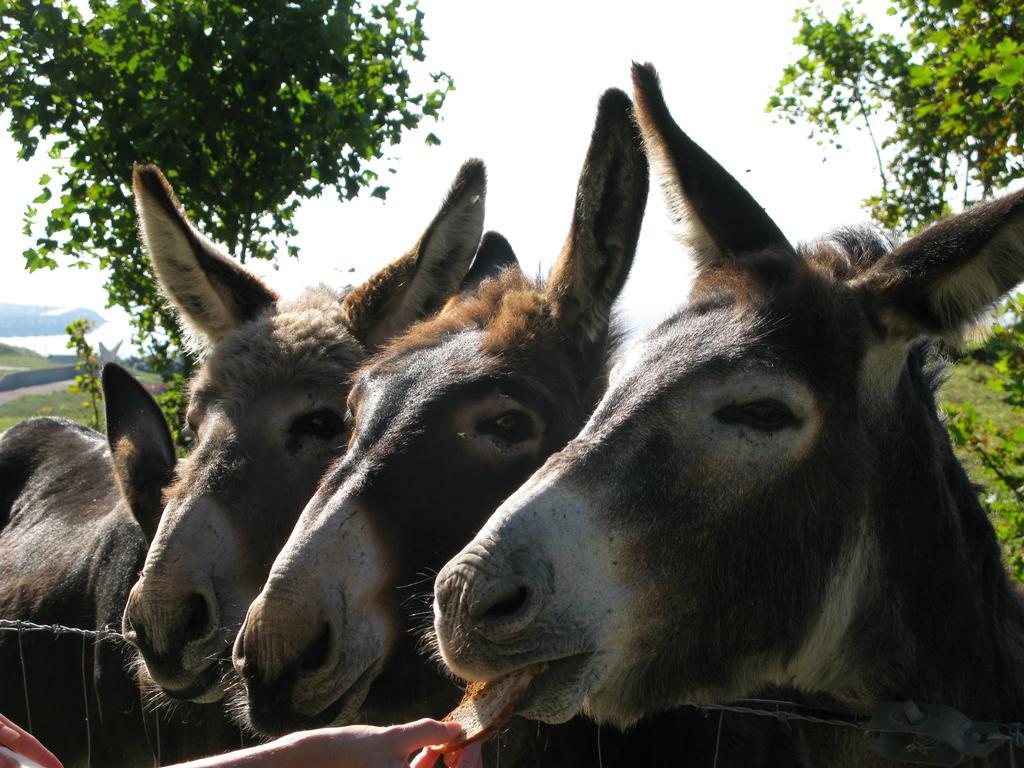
x=96, y=636
x=1010, y=734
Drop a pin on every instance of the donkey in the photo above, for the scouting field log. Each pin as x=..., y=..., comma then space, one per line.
x=267, y=411
x=765, y=496
x=446, y=422
x=70, y=546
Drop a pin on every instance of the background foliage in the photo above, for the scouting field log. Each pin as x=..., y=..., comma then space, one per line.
x=248, y=108
x=87, y=382
x=945, y=111
x=945, y=105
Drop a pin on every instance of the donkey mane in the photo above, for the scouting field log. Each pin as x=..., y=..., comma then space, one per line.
x=307, y=334
x=847, y=252
x=516, y=315
x=500, y=306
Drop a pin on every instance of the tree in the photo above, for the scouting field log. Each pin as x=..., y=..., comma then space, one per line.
x=87, y=382
x=951, y=97
x=247, y=107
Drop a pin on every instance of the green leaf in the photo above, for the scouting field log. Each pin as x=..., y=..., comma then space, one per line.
x=1012, y=72
x=1007, y=47
x=921, y=75
x=241, y=109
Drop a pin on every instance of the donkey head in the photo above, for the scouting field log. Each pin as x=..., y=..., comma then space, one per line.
x=446, y=422
x=267, y=410
x=765, y=495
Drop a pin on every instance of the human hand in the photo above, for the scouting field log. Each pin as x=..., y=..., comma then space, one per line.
x=469, y=757
x=365, y=746
x=20, y=741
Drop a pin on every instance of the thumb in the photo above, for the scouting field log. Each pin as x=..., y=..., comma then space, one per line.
x=424, y=733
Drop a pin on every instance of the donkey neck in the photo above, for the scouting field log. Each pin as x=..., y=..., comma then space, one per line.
x=940, y=620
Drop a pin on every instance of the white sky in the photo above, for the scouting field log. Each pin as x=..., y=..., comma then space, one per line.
x=528, y=77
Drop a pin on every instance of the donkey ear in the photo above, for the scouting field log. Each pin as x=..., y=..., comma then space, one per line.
x=212, y=292
x=940, y=281
x=419, y=282
x=717, y=218
x=494, y=255
x=141, y=447
x=610, y=200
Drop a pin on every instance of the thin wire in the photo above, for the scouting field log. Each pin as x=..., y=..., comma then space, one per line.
x=780, y=714
x=145, y=730
x=718, y=739
x=24, y=683
x=85, y=695
x=59, y=629
x=600, y=759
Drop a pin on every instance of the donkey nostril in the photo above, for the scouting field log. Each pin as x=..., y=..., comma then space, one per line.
x=510, y=605
x=509, y=601
x=317, y=653
x=198, y=624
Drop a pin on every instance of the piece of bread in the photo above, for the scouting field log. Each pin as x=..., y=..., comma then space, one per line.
x=485, y=707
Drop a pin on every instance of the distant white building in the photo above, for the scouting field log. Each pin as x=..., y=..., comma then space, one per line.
x=108, y=355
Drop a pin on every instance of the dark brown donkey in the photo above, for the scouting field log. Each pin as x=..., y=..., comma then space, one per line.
x=447, y=421
x=766, y=495
x=267, y=411
x=70, y=547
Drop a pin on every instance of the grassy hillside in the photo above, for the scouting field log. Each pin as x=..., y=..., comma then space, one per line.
x=63, y=404
x=18, y=357
x=968, y=382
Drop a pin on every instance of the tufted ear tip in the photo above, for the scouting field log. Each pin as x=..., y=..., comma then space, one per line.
x=610, y=201
x=420, y=281
x=718, y=219
x=213, y=293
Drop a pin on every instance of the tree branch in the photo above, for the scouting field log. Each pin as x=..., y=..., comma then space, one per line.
x=871, y=133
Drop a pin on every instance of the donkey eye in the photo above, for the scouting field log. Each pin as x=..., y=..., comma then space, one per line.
x=511, y=426
x=763, y=415
x=323, y=424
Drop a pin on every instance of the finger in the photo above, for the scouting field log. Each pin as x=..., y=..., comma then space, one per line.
x=427, y=758
x=424, y=733
x=33, y=750
x=8, y=734
x=471, y=756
